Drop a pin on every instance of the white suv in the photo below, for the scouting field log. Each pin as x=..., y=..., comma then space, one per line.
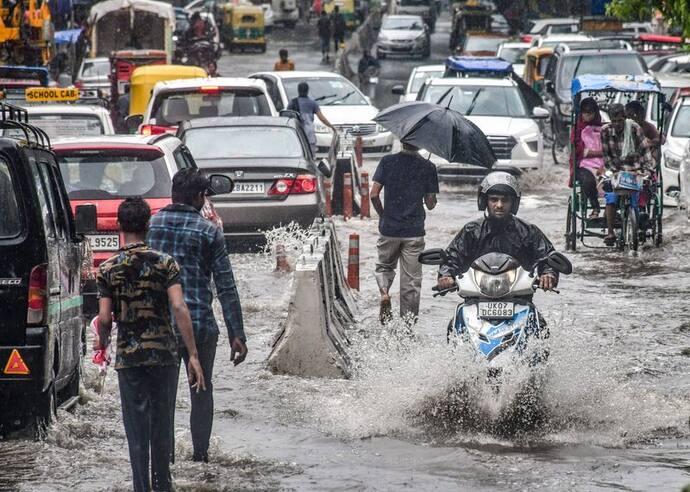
x=497, y=107
x=343, y=104
x=673, y=150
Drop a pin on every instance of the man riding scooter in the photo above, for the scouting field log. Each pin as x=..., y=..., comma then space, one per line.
x=499, y=231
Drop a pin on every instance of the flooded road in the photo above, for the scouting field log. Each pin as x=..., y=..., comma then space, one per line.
x=615, y=395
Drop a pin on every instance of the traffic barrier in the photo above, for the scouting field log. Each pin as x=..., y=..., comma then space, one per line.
x=347, y=196
x=353, y=262
x=313, y=341
x=359, y=149
x=282, y=263
x=329, y=205
x=365, y=206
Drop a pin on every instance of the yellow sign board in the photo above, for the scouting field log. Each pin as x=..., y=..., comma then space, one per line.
x=46, y=94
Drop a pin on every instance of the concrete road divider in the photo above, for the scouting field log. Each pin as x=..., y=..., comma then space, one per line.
x=347, y=196
x=353, y=262
x=364, y=194
x=313, y=341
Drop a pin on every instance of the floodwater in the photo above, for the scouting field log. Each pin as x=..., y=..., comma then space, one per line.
x=416, y=415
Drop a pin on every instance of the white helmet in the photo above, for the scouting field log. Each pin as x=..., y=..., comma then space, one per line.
x=499, y=183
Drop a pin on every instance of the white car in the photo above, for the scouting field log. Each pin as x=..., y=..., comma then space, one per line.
x=497, y=107
x=514, y=53
x=94, y=75
x=673, y=150
x=174, y=101
x=403, y=35
x=554, y=40
x=70, y=120
x=343, y=104
x=684, y=182
x=558, y=25
x=417, y=78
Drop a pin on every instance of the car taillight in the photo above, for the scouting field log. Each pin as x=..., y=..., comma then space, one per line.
x=38, y=298
x=303, y=184
x=79, y=84
x=156, y=130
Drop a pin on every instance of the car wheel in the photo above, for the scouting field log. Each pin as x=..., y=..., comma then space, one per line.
x=45, y=409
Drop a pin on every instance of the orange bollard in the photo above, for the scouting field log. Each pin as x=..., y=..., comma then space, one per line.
x=353, y=262
x=364, y=193
x=282, y=263
x=329, y=206
x=359, y=156
x=347, y=196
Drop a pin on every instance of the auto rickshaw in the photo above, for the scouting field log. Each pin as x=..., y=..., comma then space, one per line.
x=536, y=60
x=635, y=223
x=243, y=27
x=144, y=78
x=347, y=8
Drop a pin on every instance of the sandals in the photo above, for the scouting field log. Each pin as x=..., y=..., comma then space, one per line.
x=594, y=214
x=610, y=240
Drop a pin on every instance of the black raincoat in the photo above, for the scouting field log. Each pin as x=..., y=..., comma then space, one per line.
x=512, y=236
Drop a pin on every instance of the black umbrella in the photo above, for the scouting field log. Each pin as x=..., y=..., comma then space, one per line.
x=441, y=131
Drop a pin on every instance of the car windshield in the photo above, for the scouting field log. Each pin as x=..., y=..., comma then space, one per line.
x=10, y=222
x=63, y=125
x=96, y=69
x=415, y=3
x=420, y=77
x=103, y=174
x=513, y=55
x=235, y=141
x=173, y=107
x=598, y=64
x=479, y=100
x=328, y=91
x=681, y=126
x=403, y=24
x=480, y=43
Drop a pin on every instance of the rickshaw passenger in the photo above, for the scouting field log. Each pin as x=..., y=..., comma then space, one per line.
x=588, y=153
x=636, y=112
x=639, y=157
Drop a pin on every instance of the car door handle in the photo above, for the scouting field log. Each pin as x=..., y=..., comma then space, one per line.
x=55, y=290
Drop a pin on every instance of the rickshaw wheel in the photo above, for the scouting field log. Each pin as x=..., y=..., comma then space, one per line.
x=570, y=227
x=631, y=233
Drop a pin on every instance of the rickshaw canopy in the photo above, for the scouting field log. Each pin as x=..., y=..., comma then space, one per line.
x=614, y=83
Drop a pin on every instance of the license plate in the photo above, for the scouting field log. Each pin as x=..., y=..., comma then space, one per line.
x=105, y=242
x=496, y=310
x=248, y=187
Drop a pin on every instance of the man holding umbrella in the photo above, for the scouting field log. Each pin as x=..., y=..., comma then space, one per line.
x=410, y=182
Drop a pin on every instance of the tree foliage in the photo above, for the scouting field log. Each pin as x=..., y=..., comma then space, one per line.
x=676, y=12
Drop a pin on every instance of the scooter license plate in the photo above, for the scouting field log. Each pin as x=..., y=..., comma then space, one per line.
x=496, y=310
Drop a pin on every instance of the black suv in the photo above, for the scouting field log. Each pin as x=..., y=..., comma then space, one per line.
x=570, y=61
x=41, y=325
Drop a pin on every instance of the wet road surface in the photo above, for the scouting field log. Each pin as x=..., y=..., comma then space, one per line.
x=615, y=394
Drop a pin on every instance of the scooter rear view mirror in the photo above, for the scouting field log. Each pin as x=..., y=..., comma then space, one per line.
x=435, y=256
x=560, y=263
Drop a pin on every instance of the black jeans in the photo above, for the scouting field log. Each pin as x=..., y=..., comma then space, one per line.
x=589, y=187
x=148, y=396
x=338, y=38
x=201, y=416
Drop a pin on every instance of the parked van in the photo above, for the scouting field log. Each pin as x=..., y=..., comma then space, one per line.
x=41, y=324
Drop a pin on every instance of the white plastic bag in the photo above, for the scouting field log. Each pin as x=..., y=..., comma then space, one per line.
x=628, y=142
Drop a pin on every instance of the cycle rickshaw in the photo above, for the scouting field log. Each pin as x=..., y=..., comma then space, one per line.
x=633, y=225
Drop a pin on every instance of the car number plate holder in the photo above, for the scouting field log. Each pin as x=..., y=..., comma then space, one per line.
x=248, y=187
x=496, y=310
x=104, y=242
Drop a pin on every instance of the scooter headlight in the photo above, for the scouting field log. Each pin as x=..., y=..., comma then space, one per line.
x=494, y=285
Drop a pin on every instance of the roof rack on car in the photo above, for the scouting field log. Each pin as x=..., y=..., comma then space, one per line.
x=478, y=66
x=595, y=45
x=14, y=117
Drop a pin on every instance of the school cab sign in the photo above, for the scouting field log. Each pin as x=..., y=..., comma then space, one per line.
x=46, y=94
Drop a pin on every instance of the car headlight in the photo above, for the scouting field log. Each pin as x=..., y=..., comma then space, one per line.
x=494, y=285
x=320, y=127
x=565, y=109
x=420, y=39
x=672, y=161
x=382, y=38
x=379, y=128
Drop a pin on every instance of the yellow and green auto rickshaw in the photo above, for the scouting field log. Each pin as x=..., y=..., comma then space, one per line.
x=347, y=8
x=243, y=27
x=536, y=60
x=144, y=78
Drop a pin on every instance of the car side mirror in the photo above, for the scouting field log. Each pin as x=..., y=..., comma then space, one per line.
x=398, y=90
x=325, y=168
x=540, y=113
x=560, y=263
x=133, y=121
x=85, y=219
x=220, y=185
x=435, y=256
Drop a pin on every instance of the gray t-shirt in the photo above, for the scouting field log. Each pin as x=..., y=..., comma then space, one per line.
x=307, y=107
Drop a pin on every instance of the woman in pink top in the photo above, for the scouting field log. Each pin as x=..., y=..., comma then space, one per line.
x=588, y=151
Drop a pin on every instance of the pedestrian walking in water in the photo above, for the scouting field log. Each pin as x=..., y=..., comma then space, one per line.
x=324, y=28
x=409, y=182
x=308, y=108
x=141, y=287
x=284, y=64
x=339, y=27
x=198, y=247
